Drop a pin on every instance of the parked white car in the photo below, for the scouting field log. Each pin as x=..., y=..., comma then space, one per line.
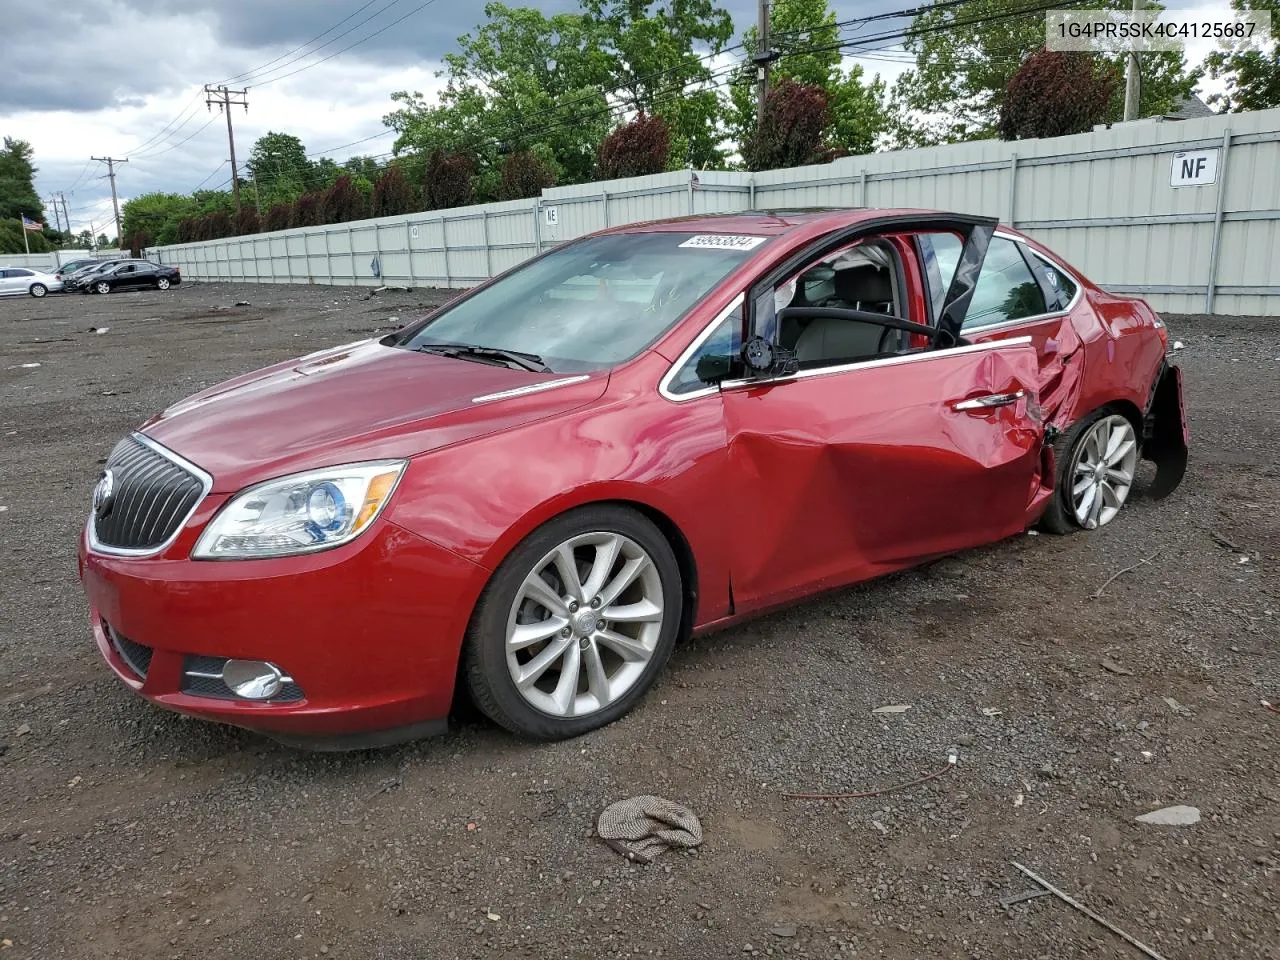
x=19, y=280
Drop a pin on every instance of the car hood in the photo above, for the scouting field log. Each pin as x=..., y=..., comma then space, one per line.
x=361, y=401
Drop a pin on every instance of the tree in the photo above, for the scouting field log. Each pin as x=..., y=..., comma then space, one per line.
x=278, y=164
x=634, y=149
x=1250, y=66
x=857, y=108
x=278, y=217
x=218, y=225
x=308, y=211
x=18, y=197
x=365, y=167
x=1054, y=94
x=450, y=180
x=152, y=219
x=965, y=60
x=246, y=222
x=520, y=80
x=655, y=66
x=343, y=201
x=11, y=239
x=795, y=116
x=393, y=195
x=525, y=174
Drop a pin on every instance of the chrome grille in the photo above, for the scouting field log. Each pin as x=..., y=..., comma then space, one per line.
x=152, y=496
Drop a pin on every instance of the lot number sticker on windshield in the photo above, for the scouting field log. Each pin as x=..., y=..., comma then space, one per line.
x=723, y=241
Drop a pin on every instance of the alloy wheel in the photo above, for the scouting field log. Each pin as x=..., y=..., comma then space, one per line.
x=584, y=624
x=163, y=283
x=104, y=287
x=1102, y=474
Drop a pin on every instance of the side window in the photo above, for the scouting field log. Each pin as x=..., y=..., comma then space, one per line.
x=941, y=254
x=1006, y=289
x=1063, y=285
x=19, y=272
x=725, y=342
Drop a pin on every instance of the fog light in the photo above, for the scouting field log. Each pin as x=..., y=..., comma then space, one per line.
x=253, y=679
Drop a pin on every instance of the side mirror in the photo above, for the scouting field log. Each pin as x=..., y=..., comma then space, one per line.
x=713, y=368
x=764, y=359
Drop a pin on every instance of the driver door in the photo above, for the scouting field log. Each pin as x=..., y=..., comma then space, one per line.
x=848, y=468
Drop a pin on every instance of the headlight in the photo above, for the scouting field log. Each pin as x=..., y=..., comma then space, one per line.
x=303, y=513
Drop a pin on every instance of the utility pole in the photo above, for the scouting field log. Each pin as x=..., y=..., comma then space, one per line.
x=115, y=202
x=57, y=217
x=65, y=216
x=761, y=60
x=1132, y=79
x=225, y=99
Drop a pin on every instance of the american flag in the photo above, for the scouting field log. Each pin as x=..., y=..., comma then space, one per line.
x=29, y=224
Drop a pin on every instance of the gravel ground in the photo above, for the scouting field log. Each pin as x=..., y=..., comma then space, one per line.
x=129, y=832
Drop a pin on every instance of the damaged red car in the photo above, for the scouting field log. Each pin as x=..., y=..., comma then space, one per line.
x=537, y=490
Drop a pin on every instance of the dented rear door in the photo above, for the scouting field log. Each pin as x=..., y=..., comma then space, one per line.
x=844, y=473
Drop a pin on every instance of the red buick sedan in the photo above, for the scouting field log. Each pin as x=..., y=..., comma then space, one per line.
x=538, y=489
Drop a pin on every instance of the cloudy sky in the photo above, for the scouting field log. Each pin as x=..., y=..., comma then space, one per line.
x=123, y=78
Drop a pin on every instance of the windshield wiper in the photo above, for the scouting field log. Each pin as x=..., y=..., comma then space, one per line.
x=512, y=358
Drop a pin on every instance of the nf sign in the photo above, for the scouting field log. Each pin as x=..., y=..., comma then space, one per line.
x=551, y=216
x=1194, y=168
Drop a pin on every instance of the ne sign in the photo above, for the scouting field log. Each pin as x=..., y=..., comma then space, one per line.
x=1194, y=168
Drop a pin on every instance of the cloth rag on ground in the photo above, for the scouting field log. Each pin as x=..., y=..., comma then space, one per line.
x=641, y=828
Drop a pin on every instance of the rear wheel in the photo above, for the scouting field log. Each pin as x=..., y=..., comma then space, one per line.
x=575, y=625
x=1097, y=459
x=38, y=290
x=162, y=283
x=103, y=287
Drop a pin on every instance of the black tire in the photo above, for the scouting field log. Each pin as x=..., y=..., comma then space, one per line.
x=38, y=290
x=1059, y=517
x=484, y=651
x=103, y=287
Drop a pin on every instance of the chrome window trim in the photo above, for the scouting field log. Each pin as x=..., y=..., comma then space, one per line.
x=531, y=388
x=881, y=362
x=664, y=385
x=206, y=481
x=1036, y=317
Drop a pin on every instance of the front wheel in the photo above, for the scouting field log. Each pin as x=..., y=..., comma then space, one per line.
x=162, y=283
x=103, y=287
x=575, y=625
x=1097, y=459
x=38, y=290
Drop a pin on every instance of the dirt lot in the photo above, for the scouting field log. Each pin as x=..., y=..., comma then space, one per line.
x=129, y=832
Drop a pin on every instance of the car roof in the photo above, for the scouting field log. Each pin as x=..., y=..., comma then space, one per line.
x=768, y=222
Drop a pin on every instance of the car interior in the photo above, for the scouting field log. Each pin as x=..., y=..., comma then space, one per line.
x=864, y=277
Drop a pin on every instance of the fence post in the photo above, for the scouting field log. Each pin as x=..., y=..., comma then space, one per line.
x=604, y=197
x=377, y=250
x=1013, y=186
x=1217, y=223
x=328, y=261
x=484, y=238
x=691, y=176
x=537, y=225
x=408, y=249
x=862, y=190
x=351, y=251
x=444, y=246
x=751, y=192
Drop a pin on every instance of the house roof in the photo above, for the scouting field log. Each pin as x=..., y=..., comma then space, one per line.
x=1189, y=108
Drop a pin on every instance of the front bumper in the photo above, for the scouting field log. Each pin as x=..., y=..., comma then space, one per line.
x=370, y=632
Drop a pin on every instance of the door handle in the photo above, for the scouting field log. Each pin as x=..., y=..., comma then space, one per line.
x=990, y=401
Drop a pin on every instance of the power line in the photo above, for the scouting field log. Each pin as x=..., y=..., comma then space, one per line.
x=175, y=146
x=262, y=67
x=169, y=127
x=111, y=175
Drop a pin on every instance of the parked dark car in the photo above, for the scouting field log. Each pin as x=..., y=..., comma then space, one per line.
x=130, y=275
x=65, y=270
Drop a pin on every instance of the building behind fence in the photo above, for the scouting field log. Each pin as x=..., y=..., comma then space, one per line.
x=1185, y=213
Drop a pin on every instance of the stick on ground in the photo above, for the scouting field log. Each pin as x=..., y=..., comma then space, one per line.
x=1120, y=573
x=1088, y=913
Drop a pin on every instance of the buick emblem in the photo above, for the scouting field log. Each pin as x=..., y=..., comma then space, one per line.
x=103, y=494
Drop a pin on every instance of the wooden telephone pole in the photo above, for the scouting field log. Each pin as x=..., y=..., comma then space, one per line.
x=225, y=99
x=115, y=201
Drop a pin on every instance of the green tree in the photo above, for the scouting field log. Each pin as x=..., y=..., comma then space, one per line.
x=18, y=197
x=278, y=164
x=363, y=168
x=658, y=65
x=1250, y=66
x=521, y=80
x=11, y=239
x=152, y=219
x=965, y=60
x=857, y=108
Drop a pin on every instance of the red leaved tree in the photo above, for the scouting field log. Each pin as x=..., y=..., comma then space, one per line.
x=343, y=201
x=1055, y=94
x=796, y=116
x=393, y=195
x=308, y=211
x=524, y=174
x=450, y=180
x=634, y=149
x=246, y=222
x=218, y=225
x=187, y=229
x=278, y=217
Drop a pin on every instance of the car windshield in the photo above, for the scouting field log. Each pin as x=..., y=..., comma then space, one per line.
x=588, y=305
